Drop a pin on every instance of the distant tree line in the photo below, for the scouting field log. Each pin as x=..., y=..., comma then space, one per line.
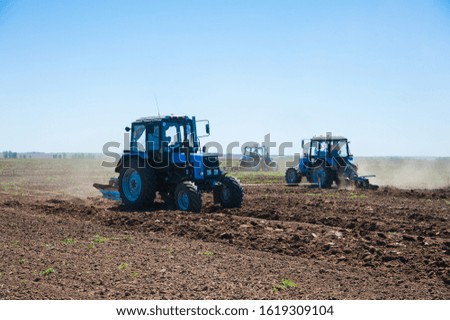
x=9, y=155
x=83, y=156
x=41, y=155
x=59, y=156
x=74, y=155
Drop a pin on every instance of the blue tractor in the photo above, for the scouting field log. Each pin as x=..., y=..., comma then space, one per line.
x=256, y=158
x=327, y=159
x=165, y=158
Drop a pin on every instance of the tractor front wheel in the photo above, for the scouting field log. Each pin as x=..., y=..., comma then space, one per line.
x=292, y=176
x=232, y=193
x=187, y=197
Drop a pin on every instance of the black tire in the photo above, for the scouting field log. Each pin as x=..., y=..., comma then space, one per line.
x=323, y=177
x=232, y=193
x=137, y=186
x=292, y=176
x=187, y=197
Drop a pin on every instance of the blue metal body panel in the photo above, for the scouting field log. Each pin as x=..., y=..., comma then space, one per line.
x=305, y=165
x=195, y=159
x=178, y=158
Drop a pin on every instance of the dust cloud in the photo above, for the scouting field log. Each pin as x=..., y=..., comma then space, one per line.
x=407, y=172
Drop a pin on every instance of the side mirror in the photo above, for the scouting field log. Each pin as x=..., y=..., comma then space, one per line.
x=127, y=129
x=303, y=143
x=204, y=149
x=207, y=129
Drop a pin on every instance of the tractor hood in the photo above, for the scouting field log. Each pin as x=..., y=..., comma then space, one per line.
x=205, y=164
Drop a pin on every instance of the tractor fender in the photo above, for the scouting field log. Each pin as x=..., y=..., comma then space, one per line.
x=127, y=158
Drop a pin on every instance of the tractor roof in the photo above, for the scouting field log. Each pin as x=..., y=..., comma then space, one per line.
x=161, y=118
x=256, y=145
x=325, y=138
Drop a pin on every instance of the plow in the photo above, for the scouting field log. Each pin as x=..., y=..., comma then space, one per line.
x=109, y=191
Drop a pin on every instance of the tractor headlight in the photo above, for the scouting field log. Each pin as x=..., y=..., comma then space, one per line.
x=216, y=172
x=208, y=172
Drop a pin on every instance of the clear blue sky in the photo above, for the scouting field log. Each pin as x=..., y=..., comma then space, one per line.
x=73, y=74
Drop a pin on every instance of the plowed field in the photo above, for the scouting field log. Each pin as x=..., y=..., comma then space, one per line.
x=333, y=244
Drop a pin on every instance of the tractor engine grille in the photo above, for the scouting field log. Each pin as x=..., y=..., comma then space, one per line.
x=211, y=165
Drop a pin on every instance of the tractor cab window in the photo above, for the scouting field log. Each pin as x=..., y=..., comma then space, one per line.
x=347, y=150
x=153, y=138
x=190, y=135
x=318, y=149
x=138, y=138
x=252, y=150
x=314, y=147
x=173, y=135
x=306, y=149
x=259, y=151
x=339, y=149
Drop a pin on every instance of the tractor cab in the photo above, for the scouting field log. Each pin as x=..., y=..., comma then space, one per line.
x=171, y=143
x=333, y=150
x=159, y=135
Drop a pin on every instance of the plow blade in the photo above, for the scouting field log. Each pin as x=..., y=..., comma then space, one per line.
x=109, y=191
x=363, y=183
x=350, y=173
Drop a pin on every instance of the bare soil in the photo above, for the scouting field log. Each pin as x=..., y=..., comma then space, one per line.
x=334, y=244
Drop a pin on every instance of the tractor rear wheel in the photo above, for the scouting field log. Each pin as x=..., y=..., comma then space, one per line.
x=137, y=186
x=232, y=193
x=292, y=176
x=323, y=177
x=187, y=197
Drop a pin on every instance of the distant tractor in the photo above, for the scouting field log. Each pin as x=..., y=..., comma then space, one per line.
x=256, y=158
x=326, y=160
x=165, y=157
